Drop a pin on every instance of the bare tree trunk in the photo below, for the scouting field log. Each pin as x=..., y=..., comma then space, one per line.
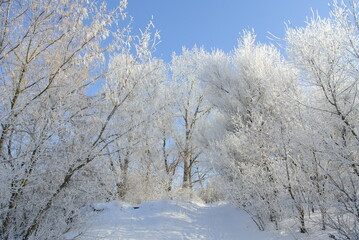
x=122, y=187
x=320, y=190
x=301, y=218
x=186, y=170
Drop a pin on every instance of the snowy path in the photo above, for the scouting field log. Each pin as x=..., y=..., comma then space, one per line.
x=169, y=220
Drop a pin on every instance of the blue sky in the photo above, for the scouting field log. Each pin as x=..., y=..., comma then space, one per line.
x=218, y=23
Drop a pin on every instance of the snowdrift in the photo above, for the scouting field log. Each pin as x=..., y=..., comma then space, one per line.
x=174, y=220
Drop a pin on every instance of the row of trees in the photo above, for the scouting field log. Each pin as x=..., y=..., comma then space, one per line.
x=288, y=139
x=62, y=147
x=279, y=136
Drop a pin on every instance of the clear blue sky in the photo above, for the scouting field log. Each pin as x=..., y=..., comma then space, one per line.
x=218, y=23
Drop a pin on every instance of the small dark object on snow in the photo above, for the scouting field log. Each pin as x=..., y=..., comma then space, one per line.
x=136, y=207
x=97, y=209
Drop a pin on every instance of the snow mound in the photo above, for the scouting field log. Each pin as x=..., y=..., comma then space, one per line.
x=115, y=205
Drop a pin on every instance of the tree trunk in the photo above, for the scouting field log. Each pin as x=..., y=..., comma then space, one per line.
x=186, y=171
x=122, y=187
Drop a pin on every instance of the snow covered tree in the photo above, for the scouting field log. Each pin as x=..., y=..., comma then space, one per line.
x=326, y=52
x=252, y=91
x=54, y=136
x=191, y=105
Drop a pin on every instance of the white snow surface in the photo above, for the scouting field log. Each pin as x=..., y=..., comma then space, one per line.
x=176, y=220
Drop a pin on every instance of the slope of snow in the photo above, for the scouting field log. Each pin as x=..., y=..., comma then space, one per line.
x=174, y=220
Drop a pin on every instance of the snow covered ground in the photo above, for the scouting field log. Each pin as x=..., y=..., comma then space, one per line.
x=177, y=220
